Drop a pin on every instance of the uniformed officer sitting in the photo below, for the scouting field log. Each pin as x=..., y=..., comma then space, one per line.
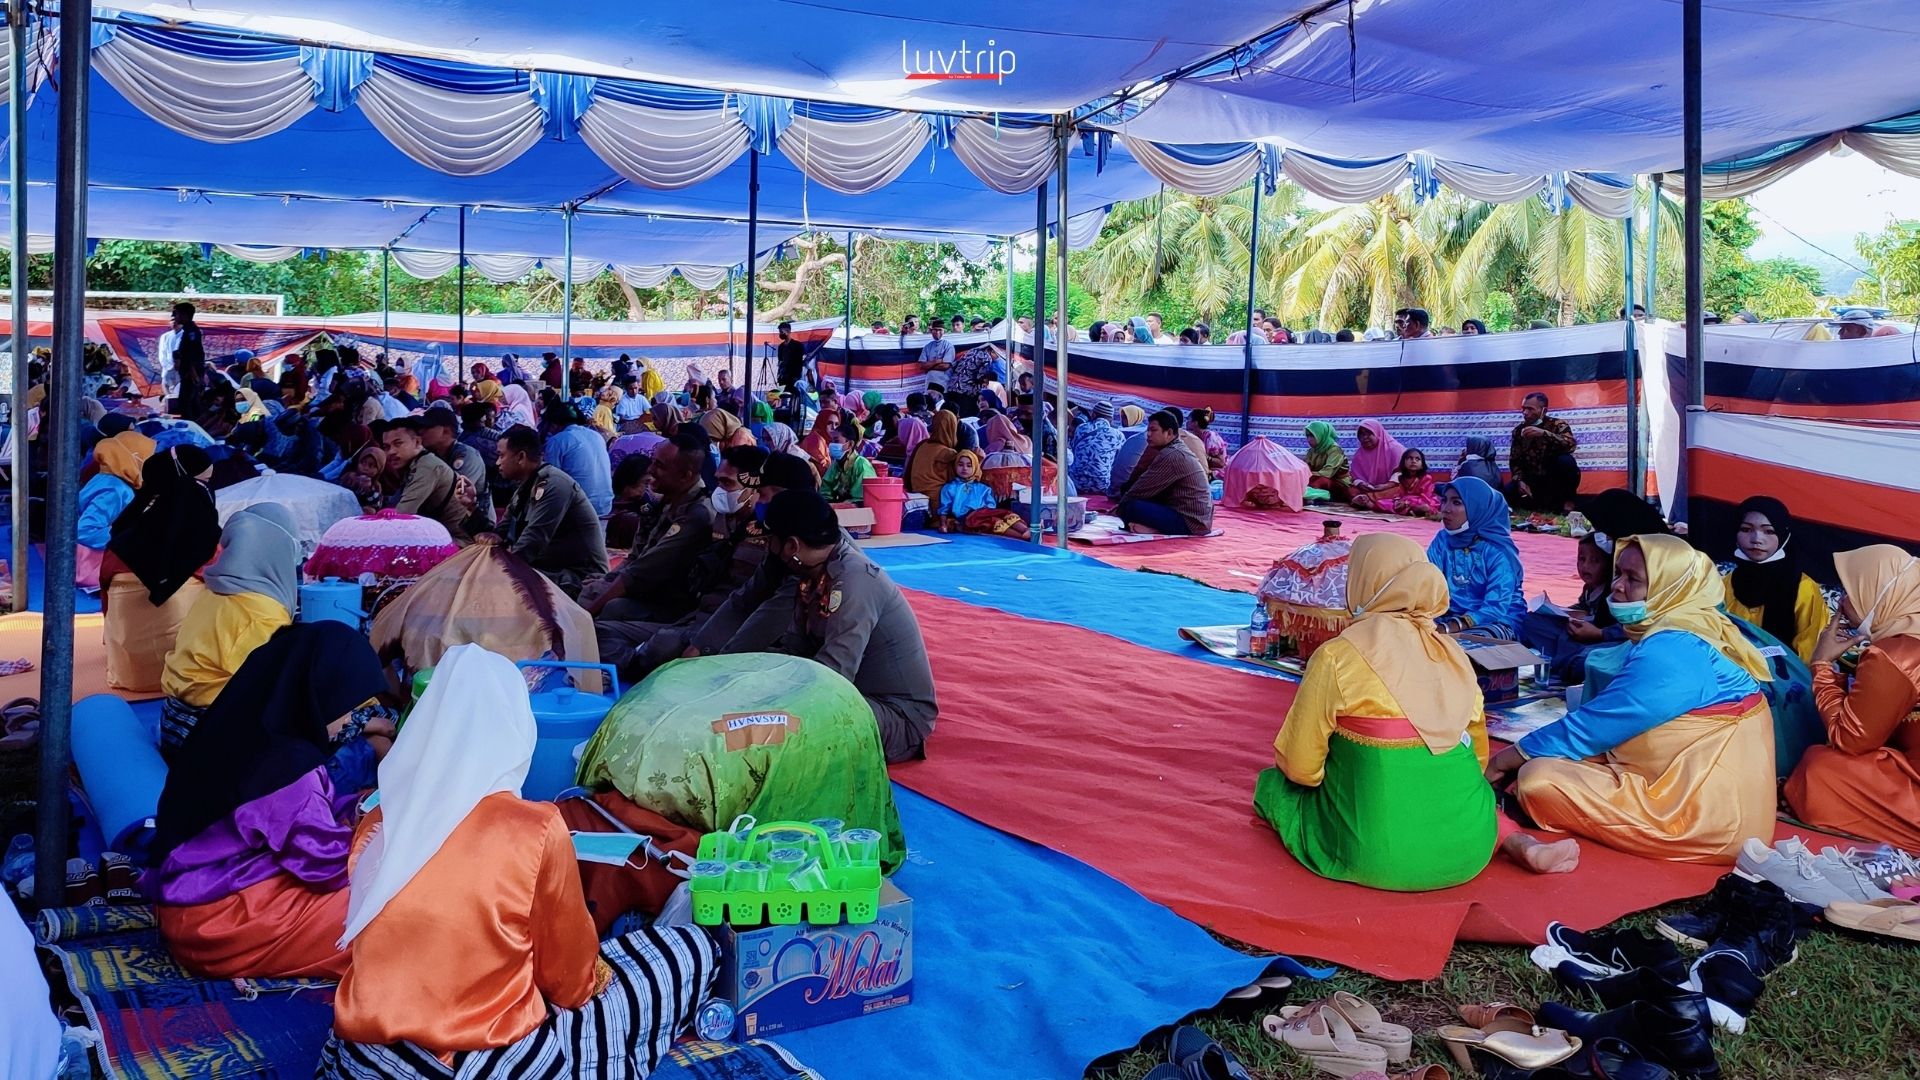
x=655, y=582
x=818, y=595
x=549, y=522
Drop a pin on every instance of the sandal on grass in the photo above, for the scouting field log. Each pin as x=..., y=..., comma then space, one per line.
x=1367, y=1024
x=1529, y=1050
x=1324, y=1037
x=1887, y=918
x=1498, y=1016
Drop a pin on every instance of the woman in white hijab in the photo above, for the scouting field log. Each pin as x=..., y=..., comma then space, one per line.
x=471, y=945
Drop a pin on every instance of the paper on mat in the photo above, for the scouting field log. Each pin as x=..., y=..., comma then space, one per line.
x=1546, y=606
x=1513, y=724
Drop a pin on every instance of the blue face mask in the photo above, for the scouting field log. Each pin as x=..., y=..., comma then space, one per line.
x=1628, y=612
x=760, y=512
x=610, y=849
x=836, y=451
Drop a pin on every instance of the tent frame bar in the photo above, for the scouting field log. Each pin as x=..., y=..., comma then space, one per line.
x=1039, y=336
x=753, y=249
x=22, y=338
x=460, y=295
x=386, y=307
x=1061, y=337
x=62, y=431
x=1695, y=254
x=566, y=289
x=847, y=334
x=1253, y=270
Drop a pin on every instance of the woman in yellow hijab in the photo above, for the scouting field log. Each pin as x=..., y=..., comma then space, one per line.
x=1866, y=780
x=104, y=496
x=1672, y=758
x=651, y=381
x=1378, y=766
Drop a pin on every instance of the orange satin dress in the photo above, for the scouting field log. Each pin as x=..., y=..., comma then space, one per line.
x=277, y=928
x=469, y=954
x=1866, y=780
x=1693, y=789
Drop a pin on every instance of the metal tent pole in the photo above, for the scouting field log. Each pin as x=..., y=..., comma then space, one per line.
x=849, y=316
x=22, y=342
x=386, y=309
x=1632, y=359
x=1038, y=350
x=1013, y=358
x=460, y=289
x=753, y=243
x=1061, y=338
x=62, y=430
x=566, y=290
x=749, y=407
x=1696, y=271
x=1253, y=269
x=1653, y=248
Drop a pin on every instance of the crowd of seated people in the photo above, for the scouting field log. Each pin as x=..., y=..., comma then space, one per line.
x=730, y=543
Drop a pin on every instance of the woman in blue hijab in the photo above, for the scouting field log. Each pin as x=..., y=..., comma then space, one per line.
x=1474, y=549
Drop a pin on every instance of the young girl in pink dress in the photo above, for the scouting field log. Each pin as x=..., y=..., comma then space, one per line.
x=1412, y=493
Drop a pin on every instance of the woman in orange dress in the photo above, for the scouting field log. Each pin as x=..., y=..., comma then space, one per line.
x=473, y=954
x=1866, y=780
x=257, y=811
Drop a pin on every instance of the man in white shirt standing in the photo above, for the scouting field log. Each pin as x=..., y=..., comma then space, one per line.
x=1160, y=336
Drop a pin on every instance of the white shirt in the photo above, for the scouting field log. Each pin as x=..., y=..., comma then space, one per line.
x=391, y=406
x=163, y=356
x=629, y=407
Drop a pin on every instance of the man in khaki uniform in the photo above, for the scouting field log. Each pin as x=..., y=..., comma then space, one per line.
x=549, y=522
x=427, y=484
x=655, y=582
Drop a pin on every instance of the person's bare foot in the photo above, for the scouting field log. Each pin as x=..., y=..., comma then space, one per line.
x=1558, y=857
x=1136, y=527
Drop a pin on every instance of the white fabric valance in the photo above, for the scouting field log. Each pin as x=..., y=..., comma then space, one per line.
x=663, y=148
x=259, y=254
x=460, y=134
x=1731, y=184
x=652, y=277
x=1009, y=160
x=1599, y=197
x=1191, y=178
x=1486, y=184
x=1343, y=183
x=213, y=100
x=857, y=157
x=426, y=265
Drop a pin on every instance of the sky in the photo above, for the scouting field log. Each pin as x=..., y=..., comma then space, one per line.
x=1827, y=203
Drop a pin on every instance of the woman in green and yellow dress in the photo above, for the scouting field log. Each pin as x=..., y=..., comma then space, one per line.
x=1328, y=461
x=1379, y=764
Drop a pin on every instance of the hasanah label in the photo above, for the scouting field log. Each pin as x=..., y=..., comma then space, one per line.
x=756, y=729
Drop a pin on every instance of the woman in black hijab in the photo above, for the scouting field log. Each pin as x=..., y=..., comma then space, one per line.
x=254, y=823
x=1765, y=586
x=172, y=527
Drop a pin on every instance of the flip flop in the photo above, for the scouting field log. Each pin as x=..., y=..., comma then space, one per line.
x=1528, y=1050
x=1325, y=1038
x=1887, y=918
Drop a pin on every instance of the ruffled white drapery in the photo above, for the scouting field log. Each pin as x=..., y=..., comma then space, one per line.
x=1486, y=184
x=1009, y=160
x=652, y=277
x=1343, y=183
x=259, y=254
x=1194, y=179
x=459, y=134
x=858, y=157
x=663, y=148
x=221, y=101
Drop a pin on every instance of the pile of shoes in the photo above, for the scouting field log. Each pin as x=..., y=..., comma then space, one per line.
x=1192, y=1054
x=1872, y=891
x=1344, y=1035
x=1652, y=1015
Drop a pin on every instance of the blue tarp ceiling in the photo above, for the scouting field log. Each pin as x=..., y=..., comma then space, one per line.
x=850, y=50
x=1524, y=86
x=341, y=156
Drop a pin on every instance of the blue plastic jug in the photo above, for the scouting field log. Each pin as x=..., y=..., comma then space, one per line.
x=567, y=717
x=331, y=600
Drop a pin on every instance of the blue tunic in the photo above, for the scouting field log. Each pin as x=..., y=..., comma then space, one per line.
x=1482, y=567
x=101, y=501
x=1666, y=675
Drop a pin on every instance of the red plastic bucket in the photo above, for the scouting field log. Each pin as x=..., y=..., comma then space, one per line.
x=887, y=498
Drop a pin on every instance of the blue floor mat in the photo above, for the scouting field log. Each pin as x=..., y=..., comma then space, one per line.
x=1067, y=587
x=1026, y=964
x=83, y=604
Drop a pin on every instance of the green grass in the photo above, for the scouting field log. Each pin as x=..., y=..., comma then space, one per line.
x=1847, y=1009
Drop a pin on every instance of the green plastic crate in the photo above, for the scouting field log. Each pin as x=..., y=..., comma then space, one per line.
x=852, y=894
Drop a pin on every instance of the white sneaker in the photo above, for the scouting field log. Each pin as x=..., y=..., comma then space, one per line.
x=1797, y=876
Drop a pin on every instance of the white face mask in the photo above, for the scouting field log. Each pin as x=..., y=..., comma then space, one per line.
x=1464, y=526
x=1778, y=554
x=726, y=503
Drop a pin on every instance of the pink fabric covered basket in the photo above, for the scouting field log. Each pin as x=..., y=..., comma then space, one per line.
x=387, y=544
x=1265, y=475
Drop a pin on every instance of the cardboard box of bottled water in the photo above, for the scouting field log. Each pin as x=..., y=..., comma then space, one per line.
x=783, y=978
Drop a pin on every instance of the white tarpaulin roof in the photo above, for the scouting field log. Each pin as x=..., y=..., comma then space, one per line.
x=1529, y=86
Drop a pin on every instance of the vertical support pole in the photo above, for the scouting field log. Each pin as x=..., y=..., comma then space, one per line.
x=1013, y=356
x=566, y=289
x=386, y=310
x=849, y=316
x=1696, y=269
x=22, y=343
x=1039, y=348
x=1253, y=270
x=62, y=430
x=749, y=406
x=460, y=294
x=1653, y=247
x=753, y=249
x=1060, y=339
x=1632, y=357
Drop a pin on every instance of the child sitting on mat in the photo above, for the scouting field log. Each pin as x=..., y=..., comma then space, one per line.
x=967, y=503
x=1411, y=492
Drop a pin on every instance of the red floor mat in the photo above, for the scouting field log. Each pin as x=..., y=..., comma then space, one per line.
x=1254, y=538
x=1142, y=764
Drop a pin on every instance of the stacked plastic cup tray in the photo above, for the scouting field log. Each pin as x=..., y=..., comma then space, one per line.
x=787, y=872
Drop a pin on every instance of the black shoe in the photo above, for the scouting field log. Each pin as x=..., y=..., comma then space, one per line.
x=1604, y=1059
x=1698, y=928
x=1674, y=1032
x=1606, y=952
x=1613, y=991
x=1732, y=987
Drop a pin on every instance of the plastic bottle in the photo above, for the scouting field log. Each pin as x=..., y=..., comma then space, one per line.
x=1258, y=631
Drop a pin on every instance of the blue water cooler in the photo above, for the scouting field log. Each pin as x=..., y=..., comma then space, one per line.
x=567, y=717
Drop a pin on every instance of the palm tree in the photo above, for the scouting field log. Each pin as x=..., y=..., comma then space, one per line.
x=1200, y=241
x=1572, y=257
x=1368, y=259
